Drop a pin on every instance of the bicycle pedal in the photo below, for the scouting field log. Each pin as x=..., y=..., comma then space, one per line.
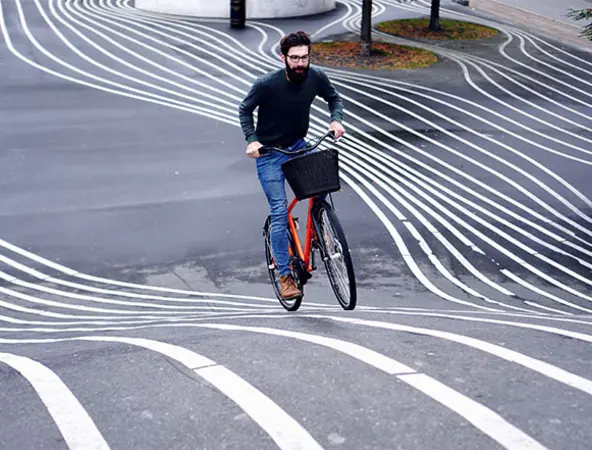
x=296, y=222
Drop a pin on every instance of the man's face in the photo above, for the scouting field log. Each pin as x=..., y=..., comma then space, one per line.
x=297, y=63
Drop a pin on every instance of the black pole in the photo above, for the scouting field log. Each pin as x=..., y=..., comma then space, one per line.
x=435, y=16
x=366, y=37
x=238, y=13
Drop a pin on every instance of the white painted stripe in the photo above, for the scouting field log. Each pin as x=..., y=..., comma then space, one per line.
x=484, y=419
x=71, y=272
x=481, y=417
x=461, y=58
x=356, y=351
x=550, y=66
x=75, y=8
x=150, y=98
x=529, y=103
x=427, y=250
x=283, y=429
x=42, y=49
x=286, y=432
x=561, y=50
x=347, y=14
x=543, y=328
x=149, y=305
x=370, y=81
x=495, y=426
x=73, y=422
x=188, y=358
x=547, y=308
x=115, y=326
x=435, y=142
x=563, y=62
x=492, y=66
x=512, y=356
x=403, y=248
x=465, y=224
x=542, y=292
x=514, y=31
x=137, y=314
x=120, y=293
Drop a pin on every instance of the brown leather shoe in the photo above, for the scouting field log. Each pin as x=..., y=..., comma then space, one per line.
x=288, y=289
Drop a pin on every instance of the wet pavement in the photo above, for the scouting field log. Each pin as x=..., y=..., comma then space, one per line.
x=134, y=296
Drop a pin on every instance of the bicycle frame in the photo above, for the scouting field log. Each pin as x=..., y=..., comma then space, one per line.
x=304, y=254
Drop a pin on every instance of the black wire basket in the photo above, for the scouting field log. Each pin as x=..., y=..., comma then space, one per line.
x=313, y=174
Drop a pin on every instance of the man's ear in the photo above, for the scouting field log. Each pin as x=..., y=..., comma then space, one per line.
x=283, y=57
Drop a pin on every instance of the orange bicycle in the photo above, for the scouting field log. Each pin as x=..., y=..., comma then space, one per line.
x=313, y=176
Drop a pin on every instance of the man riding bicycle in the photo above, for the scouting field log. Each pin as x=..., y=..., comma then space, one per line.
x=284, y=98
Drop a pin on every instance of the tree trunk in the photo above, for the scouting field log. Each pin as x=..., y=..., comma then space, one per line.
x=366, y=37
x=435, y=16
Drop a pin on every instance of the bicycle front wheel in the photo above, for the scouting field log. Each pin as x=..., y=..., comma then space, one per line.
x=336, y=255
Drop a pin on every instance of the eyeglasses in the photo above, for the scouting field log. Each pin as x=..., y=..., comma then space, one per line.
x=296, y=58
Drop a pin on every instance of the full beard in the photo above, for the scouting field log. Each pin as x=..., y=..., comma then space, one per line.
x=298, y=75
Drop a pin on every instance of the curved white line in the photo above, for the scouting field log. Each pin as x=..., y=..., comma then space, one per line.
x=286, y=432
x=483, y=418
x=512, y=356
x=73, y=422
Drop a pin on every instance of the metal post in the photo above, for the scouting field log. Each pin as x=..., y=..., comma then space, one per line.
x=366, y=37
x=238, y=13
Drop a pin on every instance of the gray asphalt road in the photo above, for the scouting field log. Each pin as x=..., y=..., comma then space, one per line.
x=135, y=303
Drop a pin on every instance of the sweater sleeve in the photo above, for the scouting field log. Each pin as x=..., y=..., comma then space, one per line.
x=246, y=109
x=332, y=97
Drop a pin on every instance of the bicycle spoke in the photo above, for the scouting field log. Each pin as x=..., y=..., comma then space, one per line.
x=336, y=257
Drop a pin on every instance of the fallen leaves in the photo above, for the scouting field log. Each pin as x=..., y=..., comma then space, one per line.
x=451, y=29
x=384, y=56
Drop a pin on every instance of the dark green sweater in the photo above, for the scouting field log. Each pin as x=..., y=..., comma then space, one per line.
x=284, y=107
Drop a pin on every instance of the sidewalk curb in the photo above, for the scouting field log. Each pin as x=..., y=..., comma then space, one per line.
x=565, y=32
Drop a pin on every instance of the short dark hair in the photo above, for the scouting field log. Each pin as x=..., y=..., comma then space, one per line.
x=294, y=40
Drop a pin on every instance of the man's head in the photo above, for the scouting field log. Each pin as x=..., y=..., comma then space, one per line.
x=295, y=50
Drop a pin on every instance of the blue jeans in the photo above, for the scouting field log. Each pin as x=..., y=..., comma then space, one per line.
x=271, y=177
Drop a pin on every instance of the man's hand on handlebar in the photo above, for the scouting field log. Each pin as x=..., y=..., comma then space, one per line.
x=253, y=149
x=337, y=129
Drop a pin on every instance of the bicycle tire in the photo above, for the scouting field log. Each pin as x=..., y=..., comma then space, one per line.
x=288, y=305
x=326, y=221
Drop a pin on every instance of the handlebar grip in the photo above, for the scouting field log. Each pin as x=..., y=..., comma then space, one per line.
x=263, y=150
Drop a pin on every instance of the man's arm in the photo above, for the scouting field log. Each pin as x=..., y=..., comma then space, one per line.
x=246, y=109
x=332, y=97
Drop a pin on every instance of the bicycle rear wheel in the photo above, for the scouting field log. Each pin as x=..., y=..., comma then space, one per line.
x=274, y=274
x=336, y=255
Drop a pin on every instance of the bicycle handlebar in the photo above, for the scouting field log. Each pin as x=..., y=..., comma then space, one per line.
x=263, y=150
